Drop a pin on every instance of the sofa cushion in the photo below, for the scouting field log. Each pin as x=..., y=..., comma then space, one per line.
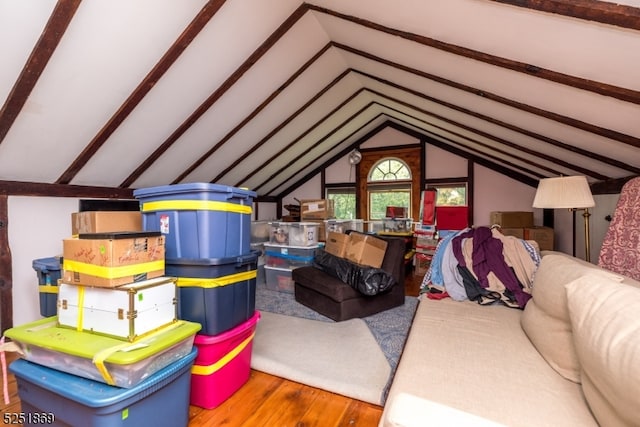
x=545, y=319
x=477, y=359
x=606, y=330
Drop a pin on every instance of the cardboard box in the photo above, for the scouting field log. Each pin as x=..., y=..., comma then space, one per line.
x=113, y=259
x=541, y=235
x=366, y=249
x=515, y=232
x=316, y=209
x=511, y=219
x=126, y=312
x=105, y=221
x=337, y=244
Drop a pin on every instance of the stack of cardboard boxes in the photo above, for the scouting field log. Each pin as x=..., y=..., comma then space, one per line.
x=317, y=211
x=520, y=224
x=359, y=248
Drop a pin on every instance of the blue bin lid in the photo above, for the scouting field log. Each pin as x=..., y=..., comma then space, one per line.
x=197, y=187
x=47, y=264
x=251, y=257
x=95, y=394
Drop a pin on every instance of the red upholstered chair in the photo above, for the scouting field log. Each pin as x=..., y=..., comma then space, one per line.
x=620, y=251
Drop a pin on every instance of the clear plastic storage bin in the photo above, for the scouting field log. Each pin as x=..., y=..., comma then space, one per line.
x=294, y=233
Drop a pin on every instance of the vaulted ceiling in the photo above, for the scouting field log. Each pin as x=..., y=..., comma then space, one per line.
x=261, y=94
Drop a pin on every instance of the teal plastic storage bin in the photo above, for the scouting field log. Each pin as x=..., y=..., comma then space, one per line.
x=199, y=220
x=48, y=271
x=60, y=399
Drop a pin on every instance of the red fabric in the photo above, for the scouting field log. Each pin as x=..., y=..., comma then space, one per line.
x=452, y=217
x=442, y=295
x=620, y=250
x=428, y=208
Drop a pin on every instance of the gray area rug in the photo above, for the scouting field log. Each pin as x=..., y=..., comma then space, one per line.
x=389, y=328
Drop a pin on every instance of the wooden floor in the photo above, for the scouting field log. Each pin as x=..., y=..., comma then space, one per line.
x=266, y=400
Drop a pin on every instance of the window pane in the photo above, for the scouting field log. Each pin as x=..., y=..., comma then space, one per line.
x=451, y=195
x=380, y=199
x=344, y=203
x=389, y=170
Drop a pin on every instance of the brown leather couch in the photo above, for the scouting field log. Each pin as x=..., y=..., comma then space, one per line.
x=337, y=300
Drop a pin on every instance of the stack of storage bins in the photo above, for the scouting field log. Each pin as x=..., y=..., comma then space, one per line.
x=49, y=271
x=208, y=248
x=116, y=353
x=259, y=236
x=291, y=245
x=317, y=211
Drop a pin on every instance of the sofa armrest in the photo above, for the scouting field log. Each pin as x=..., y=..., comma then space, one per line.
x=393, y=262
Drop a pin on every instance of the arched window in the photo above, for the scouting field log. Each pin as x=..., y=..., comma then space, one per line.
x=390, y=169
x=388, y=184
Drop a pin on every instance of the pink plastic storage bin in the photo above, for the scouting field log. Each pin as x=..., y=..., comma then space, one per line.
x=223, y=364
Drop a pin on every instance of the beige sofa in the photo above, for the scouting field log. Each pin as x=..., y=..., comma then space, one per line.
x=570, y=358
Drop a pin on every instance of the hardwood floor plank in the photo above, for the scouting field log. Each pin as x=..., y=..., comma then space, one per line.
x=241, y=405
x=284, y=407
x=326, y=406
x=361, y=414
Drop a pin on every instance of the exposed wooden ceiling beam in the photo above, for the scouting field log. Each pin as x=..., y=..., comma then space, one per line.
x=20, y=188
x=217, y=94
x=471, y=143
x=342, y=152
x=498, y=167
x=53, y=31
x=305, y=133
x=608, y=13
x=6, y=274
x=163, y=65
x=484, y=93
x=308, y=148
x=428, y=138
x=249, y=117
x=470, y=146
x=559, y=144
x=623, y=94
x=611, y=186
x=422, y=135
x=487, y=135
x=565, y=120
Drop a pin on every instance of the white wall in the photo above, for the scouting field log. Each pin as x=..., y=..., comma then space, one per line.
x=496, y=192
x=340, y=172
x=37, y=226
x=264, y=211
x=309, y=190
x=388, y=137
x=443, y=164
x=605, y=205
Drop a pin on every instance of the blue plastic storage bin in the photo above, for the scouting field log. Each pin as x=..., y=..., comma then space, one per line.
x=70, y=400
x=49, y=271
x=218, y=293
x=199, y=220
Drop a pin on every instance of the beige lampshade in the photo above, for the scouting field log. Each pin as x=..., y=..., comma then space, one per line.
x=563, y=192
